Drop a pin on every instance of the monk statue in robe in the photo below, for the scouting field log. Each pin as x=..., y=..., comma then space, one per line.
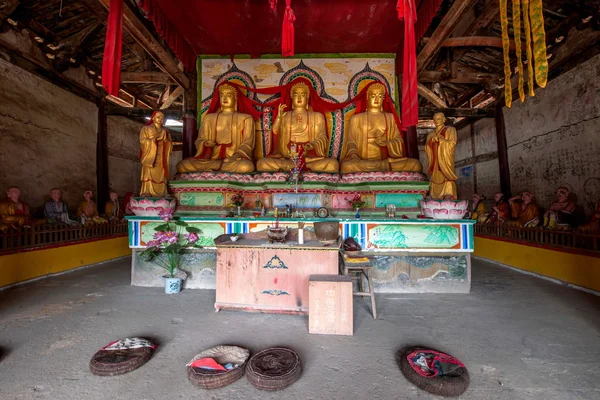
x=156, y=146
x=56, y=210
x=440, y=147
x=592, y=227
x=561, y=214
x=15, y=213
x=302, y=127
x=112, y=208
x=225, y=140
x=373, y=140
x=478, y=208
x=500, y=211
x=87, y=210
x=524, y=211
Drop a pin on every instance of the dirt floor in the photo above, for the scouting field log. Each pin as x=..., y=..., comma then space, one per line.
x=521, y=338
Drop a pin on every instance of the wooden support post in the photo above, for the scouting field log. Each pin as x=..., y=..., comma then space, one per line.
x=412, y=142
x=190, y=124
x=474, y=155
x=102, y=186
x=502, y=151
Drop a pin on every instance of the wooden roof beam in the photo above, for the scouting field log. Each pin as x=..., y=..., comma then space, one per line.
x=473, y=41
x=432, y=97
x=460, y=77
x=134, y=25
x=443, y=32
x=485, y=19
x=172, y=97
x=146, y=77
x=426, y=112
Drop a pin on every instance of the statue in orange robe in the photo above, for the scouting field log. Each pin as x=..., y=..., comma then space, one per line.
x=593, y=225
x=500, y=211
x=87, y=210
x=440, y=147
x=525, y=211
x=15, y=213
x=561, y=214
x=156, y=146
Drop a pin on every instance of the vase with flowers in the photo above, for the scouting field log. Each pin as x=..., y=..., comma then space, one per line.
x=357, y=203
x=238, y=201
x=167, y=247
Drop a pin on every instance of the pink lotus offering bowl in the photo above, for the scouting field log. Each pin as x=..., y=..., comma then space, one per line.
x=152, y=206
x=444, y=209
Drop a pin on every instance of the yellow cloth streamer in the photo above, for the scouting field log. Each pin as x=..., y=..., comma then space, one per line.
x=539, y=42
x=517, y=34
x=527, y=26
x=506, y=47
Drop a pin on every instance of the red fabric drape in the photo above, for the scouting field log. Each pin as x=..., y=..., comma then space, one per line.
x=287, y=32
x=169, y=33
x=410, y=97
x=427, y=11
x=113, y=45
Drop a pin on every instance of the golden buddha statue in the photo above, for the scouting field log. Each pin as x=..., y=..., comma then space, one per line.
x=225, y=140
x=155, y=145
x=373, y=141
x=304, y=127
x=440, y=147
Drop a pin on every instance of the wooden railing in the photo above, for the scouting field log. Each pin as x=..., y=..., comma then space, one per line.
x=542, y=237
x=58, y=234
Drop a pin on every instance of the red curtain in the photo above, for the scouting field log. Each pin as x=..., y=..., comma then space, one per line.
x=169, y=33
x=410, y=97
x=287, y=31
x=427, y=11
x=111, y=65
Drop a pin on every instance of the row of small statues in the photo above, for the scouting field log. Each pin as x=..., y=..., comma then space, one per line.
x=226, y=140
x=523, y=212
x=15, y=213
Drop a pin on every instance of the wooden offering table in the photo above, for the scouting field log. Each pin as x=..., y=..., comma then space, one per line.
x=255, y=276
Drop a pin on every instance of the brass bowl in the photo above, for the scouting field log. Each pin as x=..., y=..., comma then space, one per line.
x=327, y=231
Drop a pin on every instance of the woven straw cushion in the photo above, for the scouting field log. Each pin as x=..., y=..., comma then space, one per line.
x=117, y=362
x=209, y=379
x=274, y=369
x=450, y=385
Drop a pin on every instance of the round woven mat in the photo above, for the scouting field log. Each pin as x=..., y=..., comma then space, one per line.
x=208, y=379
x=117, y=362
x=451, y=385
x=274, y=369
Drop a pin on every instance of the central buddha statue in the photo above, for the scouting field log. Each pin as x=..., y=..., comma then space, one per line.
x=373, y=141
x=225, y=140
x=303, y=127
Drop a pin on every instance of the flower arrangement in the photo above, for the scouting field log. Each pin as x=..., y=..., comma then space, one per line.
x=237, y=199
x=356, y=201
x=166, y=248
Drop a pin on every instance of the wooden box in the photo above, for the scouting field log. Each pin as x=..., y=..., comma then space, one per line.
x=330, y=305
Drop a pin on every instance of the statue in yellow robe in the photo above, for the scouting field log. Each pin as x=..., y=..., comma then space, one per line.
x=373, y=140
x=15, y=213
x=524, y=211
x=225, y=140
x=440, y=147
x=301, y=126
x=156, y=146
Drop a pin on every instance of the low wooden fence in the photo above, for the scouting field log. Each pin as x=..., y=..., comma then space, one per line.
x=58, y=234
x=542, y=237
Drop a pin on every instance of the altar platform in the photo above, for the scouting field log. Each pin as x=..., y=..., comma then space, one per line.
x=410, y=255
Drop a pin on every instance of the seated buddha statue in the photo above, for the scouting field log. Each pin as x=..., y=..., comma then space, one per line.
x=593, y=225
x=87, y=210
x=302, y=127
x=15, y=213
x=561, y=214
x=225, y=139
x=56, y=210
x=524, y=211
x=373, y=140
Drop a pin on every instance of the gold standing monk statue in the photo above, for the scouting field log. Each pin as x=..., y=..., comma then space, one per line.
x=373, y=141
x=301, y=126
x=155, y=145
x=440, y=147
x=225, y=140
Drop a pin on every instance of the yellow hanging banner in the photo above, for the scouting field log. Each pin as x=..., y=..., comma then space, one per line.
x=539, y=42
x=506, y=48
x=517, y=34
x=527, y=26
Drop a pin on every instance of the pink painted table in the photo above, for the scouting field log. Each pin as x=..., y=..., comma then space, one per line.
x=255, y=276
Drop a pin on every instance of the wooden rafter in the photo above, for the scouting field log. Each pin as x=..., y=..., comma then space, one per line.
x=485, y=19
x=146, y=77
x=426, y=112
x=137, y=29
x=432, y=97
x=459, y=77
x=442, y=32
x=473, y=41
x=172, y=97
